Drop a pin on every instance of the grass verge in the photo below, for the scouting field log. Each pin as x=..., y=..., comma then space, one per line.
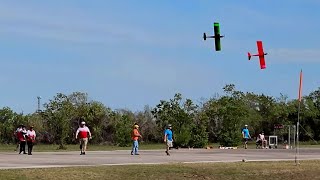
x=54, y=148
x=143, y=146
x=253, y=170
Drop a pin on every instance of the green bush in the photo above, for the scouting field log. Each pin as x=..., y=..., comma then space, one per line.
x=182, y=137
x=199, y=138
x=123, y=131
x=230, y=138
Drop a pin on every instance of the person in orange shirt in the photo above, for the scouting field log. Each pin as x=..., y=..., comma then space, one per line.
x=135, y=137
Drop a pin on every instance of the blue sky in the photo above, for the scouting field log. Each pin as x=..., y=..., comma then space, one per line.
x=128, y=54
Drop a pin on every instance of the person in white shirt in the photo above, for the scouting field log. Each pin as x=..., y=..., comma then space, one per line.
x=261, y=141
x=83, y=132
x=31, y=138
x=22, y=138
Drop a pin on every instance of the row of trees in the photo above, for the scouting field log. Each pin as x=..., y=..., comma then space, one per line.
x=218, y=119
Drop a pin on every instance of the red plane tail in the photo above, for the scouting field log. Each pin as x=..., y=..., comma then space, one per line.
x=249, y=56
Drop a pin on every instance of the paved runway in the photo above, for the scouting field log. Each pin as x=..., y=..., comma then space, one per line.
x=121, y=157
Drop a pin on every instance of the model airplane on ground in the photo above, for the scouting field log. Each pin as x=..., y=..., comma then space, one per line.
x=217, y=36
x=261, y=55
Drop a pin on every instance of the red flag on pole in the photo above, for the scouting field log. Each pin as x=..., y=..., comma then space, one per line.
x=300, y=86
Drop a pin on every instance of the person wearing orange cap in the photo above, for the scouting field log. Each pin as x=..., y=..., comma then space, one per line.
x=135, y=137
x=31, y=138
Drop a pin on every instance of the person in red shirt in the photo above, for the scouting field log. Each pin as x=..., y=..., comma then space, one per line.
x=31, y=138
x=21, y=136
x=135, y=137
x=82, y=133
x=16, y=137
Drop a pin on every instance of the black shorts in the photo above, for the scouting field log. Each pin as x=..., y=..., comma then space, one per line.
x=245, y=139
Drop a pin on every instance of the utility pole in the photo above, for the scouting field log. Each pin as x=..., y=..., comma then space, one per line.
x=39, y=97
x=298, y=122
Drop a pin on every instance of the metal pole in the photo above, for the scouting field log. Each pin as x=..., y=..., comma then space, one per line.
x=294, y=136
x=289, y=138
x=298, y=124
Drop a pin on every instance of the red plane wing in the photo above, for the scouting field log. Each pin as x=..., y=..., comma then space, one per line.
x=262, y=62
x=260, y=48
x=261, y=55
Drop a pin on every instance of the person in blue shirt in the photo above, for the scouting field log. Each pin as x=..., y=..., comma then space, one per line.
x=168, y=138
x=246, y=136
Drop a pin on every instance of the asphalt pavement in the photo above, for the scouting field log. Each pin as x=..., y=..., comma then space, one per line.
x=11, y=160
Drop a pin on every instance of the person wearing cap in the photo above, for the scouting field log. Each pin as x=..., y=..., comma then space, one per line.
x=168, y=138
x=82, y=133
x=246, y=136
x=31, y=138
x=22, y=139
x=135, y=135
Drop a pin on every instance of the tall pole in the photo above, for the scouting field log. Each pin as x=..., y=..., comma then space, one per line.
x=39, y=97
x=289, y=138
x=298, y=123
x=294, y=136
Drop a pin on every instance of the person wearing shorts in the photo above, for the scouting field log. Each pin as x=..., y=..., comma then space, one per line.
x=168, y=138
x=83, y=132
x=245, y=136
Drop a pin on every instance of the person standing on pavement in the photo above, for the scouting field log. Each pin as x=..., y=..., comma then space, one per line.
x=83, y=132
x=168, y=138
x=22, y=139
x=31, y=138
x=246, y=136
x=135, y=135
x=16, y=137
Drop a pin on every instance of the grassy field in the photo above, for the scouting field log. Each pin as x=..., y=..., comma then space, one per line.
x=240, y=170
x=143, y=146
x=54, y=148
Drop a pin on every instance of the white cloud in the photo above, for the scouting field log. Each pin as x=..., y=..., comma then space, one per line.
x=286, y=55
